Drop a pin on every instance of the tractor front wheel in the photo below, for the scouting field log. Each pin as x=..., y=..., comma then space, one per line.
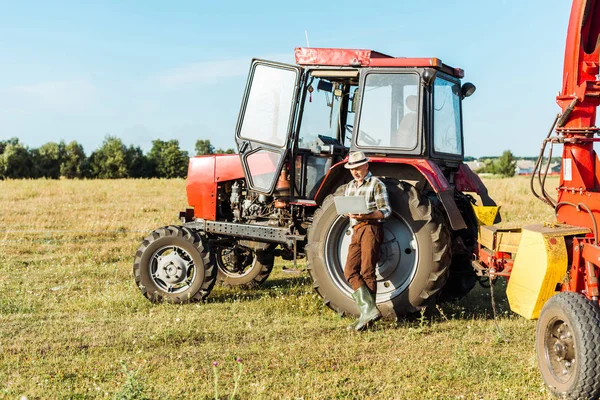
x=566, y=344
x=174, y=264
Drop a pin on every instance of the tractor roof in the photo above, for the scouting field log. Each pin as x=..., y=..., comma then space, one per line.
x=311, y=56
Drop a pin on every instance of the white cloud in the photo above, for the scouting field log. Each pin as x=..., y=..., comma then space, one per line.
x=209, y=72
x=13, y=111
x=60, y=96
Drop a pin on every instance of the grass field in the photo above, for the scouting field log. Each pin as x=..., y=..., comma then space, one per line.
x=74, y=325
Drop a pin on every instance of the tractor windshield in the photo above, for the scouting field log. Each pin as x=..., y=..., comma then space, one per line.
x=389, y=110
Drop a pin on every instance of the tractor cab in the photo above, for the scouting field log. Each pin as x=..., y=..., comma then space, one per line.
x=337, y=100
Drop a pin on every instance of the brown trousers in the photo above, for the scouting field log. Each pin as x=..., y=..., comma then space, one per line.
x=363, y=255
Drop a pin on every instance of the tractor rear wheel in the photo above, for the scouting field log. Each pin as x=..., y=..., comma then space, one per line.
x=414, y=261
x=239, y=266
x=174, y=264
x=566, y=345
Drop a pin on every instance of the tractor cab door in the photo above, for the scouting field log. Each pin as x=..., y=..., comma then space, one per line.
x=266, y=121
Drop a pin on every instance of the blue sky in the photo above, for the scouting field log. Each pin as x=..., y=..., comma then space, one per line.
x=74, y=70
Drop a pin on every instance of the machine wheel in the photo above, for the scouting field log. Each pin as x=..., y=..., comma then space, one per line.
x=173, y=264
x=566, y=345
x=414, y=259
x=240, y=266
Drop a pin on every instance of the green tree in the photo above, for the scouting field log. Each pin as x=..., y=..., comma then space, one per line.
x=110, y=160
x=221, y=151
x=74, y=163
x=138, y=164
x=16, y=161
x=506, y=164
x=4, y=143
x=48, y=159
x=204, y=147
x=168, y=160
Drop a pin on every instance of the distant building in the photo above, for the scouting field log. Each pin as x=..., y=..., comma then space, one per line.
x=554, y=169
x=525, y=167
x=475, y=165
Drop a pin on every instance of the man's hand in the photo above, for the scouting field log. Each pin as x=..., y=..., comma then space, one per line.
x=363, y=217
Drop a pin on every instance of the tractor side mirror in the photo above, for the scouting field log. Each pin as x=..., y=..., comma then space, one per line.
x=467, y=89
x=429, y=76
x=325, y=86
x=354, y=101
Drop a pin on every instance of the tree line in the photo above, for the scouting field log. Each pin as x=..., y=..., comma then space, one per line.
x=112, y=160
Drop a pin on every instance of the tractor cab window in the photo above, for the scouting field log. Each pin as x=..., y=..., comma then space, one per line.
x=447, y=132
x=389, y=111
x=321, y=113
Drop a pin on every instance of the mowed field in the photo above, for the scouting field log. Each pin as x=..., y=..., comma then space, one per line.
x=73, y=324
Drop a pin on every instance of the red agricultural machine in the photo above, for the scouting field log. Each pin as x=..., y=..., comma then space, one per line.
x=296, y=126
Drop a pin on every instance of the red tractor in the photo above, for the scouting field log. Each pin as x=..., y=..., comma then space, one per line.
x=295, y=128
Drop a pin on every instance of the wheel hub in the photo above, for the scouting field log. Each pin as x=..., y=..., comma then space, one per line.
x=172, y=269
x=235, y=262
x=390, y=258
x=560, y=350
x=398, y=258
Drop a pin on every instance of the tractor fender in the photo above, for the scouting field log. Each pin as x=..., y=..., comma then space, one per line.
x=468, y=181
x=204, y=173
x=388, y=167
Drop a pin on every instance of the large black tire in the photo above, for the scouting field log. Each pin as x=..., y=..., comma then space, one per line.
x=415, y=254
x=567, y=346
x=249, y=268
x=173, y=264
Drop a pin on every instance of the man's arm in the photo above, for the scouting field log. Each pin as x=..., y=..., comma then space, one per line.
x=383, y=205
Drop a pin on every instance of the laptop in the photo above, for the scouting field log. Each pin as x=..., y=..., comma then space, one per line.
x=351, y=205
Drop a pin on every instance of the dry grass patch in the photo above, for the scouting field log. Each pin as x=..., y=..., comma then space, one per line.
x=71, y=316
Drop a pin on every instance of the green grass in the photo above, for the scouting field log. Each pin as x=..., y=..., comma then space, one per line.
x=74, y=325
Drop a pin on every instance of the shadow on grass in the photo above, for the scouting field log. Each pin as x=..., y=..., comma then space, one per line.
x=475, y=305
x=273, y=287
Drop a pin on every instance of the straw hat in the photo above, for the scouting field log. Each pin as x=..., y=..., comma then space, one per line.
x=356, y=159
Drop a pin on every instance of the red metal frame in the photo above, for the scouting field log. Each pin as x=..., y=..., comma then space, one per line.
x=499, y=263
x=579, y=99
x=465, y=179
x=365, y=58
x=578, y=191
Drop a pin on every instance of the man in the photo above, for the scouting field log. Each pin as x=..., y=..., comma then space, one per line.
x=406, y=135
x=367, y=236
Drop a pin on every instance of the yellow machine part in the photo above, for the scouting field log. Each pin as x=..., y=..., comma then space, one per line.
x=540, y=265
x=486, y=215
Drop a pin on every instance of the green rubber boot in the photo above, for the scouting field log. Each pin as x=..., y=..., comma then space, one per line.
x=368, y=310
